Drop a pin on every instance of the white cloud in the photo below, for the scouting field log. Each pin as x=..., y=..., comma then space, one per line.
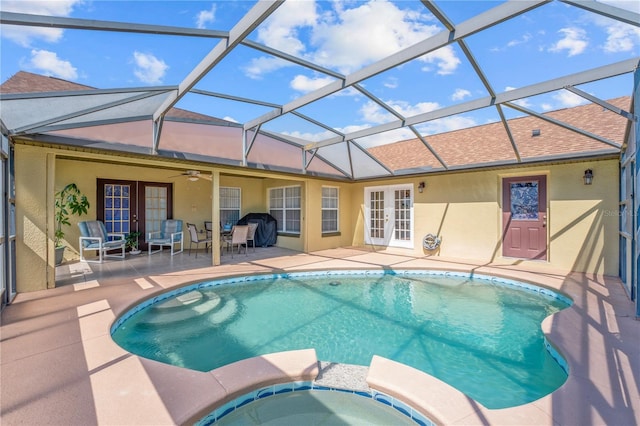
x=525, y=38
x=513, y=43
x=374, y=113
x=342, y=43
x=445, y=59
x=546, y=107
x=233, y=120
x=575, y=41
x=460, y=94
x=149, y=69
x=408, y=110
x=568, y=99
x=281, y=29
x=262, y=65
x=391, y=83
x=305, y=84
x=312, y=137
x=205, y=17
x=384, y=138
x=371, y=112
x=337, y=38
x=621, y=37
x=24, y=36
x=50, y=64
x=446, y=124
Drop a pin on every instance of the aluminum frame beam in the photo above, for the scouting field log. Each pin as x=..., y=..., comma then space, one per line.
x=261, y=11
x=622, y=15
x=473, y=25
x=594, y=74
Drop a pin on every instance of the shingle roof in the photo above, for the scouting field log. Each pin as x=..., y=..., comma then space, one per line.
x=490, y=143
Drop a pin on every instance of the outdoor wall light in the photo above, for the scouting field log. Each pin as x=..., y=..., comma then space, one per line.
x=588, y=176
x=421, y=187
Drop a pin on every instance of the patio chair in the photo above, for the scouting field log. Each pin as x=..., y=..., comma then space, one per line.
x=251, y=235
x=169, y=235
x=208, y=229
x=196, y=238
x=239, y=237
x=94, y=236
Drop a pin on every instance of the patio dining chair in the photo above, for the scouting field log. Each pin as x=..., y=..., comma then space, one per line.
x=208, y=229
x=239, y=237
x=251, y=235
x=169, y=235
x=197, y=238
x=94, y=236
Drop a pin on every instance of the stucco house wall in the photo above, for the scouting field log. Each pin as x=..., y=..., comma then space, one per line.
x=463, y=208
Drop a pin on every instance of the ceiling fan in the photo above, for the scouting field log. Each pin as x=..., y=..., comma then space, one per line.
x=193, y=175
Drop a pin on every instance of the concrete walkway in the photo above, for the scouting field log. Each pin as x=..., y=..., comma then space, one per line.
x=59, y=365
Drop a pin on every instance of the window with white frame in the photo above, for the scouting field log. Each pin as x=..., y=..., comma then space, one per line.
x=330, y=204
x=230, y=203
x=284, y=206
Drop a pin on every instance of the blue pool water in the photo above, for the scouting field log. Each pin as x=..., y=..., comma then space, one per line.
x=482, y=337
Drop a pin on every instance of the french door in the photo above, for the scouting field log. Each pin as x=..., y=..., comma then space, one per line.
x=389, y=215
x=524, y=217
x=129, y=206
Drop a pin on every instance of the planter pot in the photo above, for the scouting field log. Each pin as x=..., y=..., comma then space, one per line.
x=59, y=255
x=134, y=252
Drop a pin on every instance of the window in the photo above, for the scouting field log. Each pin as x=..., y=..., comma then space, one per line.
x=284, y=206
x=329, y=209
x=229, y=205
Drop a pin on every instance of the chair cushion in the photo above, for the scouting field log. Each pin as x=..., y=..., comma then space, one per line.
x=170, y=226
x=158, y=241
x=93, y=229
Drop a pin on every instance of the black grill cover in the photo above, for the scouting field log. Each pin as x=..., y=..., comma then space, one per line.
x=267, y=230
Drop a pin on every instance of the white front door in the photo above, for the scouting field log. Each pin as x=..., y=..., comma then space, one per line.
x=389, y=215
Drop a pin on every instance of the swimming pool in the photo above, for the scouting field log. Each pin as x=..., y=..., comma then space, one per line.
x=479, y=334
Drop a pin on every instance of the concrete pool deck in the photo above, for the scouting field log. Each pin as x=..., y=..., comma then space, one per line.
x=59, y=365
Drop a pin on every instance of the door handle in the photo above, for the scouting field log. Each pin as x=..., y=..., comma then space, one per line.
x=544, y=221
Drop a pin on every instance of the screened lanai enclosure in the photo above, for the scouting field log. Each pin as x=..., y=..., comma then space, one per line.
x=269, y=87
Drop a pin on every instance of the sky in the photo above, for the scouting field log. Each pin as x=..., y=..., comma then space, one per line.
x=550, y=41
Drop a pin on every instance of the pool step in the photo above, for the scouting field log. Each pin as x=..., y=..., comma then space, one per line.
x=197, y=307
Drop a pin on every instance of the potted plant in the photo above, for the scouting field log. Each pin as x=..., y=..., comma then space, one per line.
x=68, y=201
x=131, y=241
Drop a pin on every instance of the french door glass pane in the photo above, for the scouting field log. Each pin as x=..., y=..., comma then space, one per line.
x=376, y=221
x=156, y=207
x=116, y=208
x=402, y=215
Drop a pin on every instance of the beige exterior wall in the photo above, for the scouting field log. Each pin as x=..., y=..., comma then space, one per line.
x=463, y=208
x=34, y=226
